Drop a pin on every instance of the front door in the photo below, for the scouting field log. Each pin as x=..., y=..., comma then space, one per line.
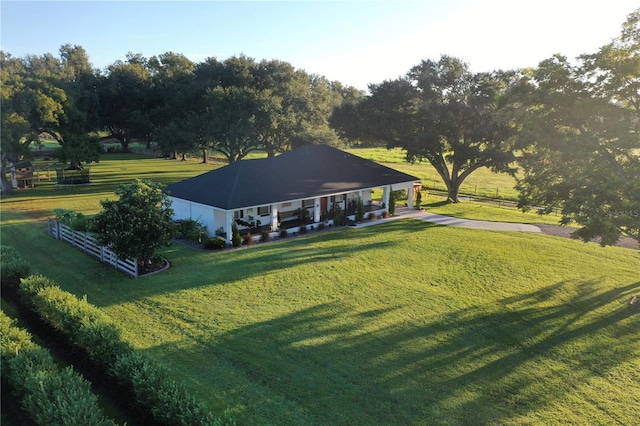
x=323, y=204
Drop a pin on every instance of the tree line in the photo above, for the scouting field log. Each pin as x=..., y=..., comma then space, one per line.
x=233, y=106
x=569, y=131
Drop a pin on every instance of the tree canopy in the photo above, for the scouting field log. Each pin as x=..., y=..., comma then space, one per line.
x=138, y=223
x=440, y=112
x=580, y=138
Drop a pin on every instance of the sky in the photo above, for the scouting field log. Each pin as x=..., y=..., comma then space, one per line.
x=354, y=42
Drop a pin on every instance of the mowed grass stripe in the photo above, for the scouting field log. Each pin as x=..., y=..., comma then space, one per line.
x=400, y=323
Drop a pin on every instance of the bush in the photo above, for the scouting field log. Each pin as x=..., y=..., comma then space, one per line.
x=30, y=286
x=337, y=215
x=12, y=266
x=360, y=210
x=247, y=239
x=90, y=329
x=215, y=243
x=265, y=235
x=303, y=229
x=385, y=214
x=321, y=226
x=284, y=233
x=102, y=341
x=372, y=216
x=46, y=393
x=392, y=202
x=168, y=400
x=191, y=229
x=236, y=239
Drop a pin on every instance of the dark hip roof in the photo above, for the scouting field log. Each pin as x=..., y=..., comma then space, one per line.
x=307, y=172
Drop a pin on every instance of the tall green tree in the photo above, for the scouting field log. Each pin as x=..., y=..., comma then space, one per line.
x=44, y=94
x=237, y=116
x=580, y=138
x=127, y=100
x=138, y=223
x=440, y=112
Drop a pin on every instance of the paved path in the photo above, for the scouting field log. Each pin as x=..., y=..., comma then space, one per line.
x=405, y=212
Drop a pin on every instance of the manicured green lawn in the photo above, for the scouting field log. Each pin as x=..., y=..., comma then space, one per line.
x=400, y=323
x=481, y=183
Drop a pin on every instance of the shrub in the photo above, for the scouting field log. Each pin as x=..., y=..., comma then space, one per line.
x=360, y=210
x=303, y=229
x=337, y=215
x=392, y=202
x=321, y=226
x=80, y=223
x=74, y=220
x=215, y=243
x=153, y=387
x=418, y=200
x=236, y=239
x=284, y=233
x=372, y=216
x=265, y=235
x=102, y=341
x=13, y=267
x=191, y=229
x=385, y=214
x=247, y=239
x=30, y=286
x=46, y=393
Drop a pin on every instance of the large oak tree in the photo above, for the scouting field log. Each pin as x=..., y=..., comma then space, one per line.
x=440, y=112
x=580, y=136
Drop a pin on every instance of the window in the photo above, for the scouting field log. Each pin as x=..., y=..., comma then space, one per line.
x=307, y=203
x=238, y=214
x=264, y=210
x=285, y=204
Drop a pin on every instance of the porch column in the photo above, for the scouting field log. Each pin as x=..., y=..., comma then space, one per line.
x=274, y=217
x=410, y=193
x=316, y=210
x=385, y=196
x=228, y=220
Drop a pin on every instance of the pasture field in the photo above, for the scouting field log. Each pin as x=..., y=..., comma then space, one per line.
x=400, y=323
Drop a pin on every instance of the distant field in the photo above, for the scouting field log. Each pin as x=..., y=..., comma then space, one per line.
x=399, y=323
x=481, y=183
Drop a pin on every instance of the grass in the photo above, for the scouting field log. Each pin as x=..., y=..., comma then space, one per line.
x=481, y=183
x=399, y=323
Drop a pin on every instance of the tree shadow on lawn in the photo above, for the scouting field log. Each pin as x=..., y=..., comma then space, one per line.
x=494, y=363
x=192, y=269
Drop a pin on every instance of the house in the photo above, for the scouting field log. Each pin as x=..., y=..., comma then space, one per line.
x=298, y=187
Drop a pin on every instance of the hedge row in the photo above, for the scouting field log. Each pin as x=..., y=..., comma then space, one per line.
x=93, y=331
x=13, y=267
x=48, y=394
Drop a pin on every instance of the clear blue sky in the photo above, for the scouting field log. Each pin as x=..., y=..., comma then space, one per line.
x=354, y=42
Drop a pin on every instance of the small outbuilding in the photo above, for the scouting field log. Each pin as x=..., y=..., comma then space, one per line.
x=21, y=175
x=302, y=185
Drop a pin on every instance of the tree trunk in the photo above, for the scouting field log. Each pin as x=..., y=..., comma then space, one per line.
x=205, y=157
x=6, y=185
x=452, y=193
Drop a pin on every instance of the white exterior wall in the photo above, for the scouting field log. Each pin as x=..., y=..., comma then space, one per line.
x=184, y=209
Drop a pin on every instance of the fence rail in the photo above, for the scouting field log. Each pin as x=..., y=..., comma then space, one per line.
x=90, y=245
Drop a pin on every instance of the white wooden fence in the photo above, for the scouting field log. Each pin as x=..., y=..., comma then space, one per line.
x=90, y=245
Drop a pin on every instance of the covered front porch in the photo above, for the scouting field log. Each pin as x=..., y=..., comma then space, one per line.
x=293, y=215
